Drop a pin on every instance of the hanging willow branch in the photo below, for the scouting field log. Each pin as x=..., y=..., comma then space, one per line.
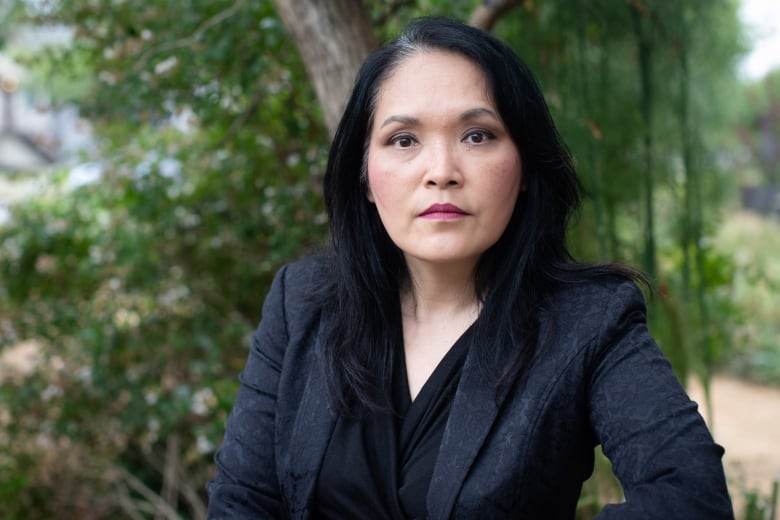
x=595, y=169
x=692, y=233
x=645, y=46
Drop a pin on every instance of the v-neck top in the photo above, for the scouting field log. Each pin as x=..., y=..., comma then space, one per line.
x=379, y=464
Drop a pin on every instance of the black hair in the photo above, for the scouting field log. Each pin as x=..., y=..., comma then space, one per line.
x=513, y=277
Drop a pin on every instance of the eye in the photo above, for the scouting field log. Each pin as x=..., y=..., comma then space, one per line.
x=402, y=141
x=478, y=136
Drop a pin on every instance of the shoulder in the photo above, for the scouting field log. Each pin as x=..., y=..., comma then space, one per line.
x=594, y=311
x=307, y=275
x=594, y=297
x=299, y=290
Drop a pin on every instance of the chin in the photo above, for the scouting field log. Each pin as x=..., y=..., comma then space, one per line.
x=448, y=258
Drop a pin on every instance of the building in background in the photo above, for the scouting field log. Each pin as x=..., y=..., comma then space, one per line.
x=37, y=136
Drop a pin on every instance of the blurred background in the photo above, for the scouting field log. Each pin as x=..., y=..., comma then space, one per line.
x=161, y=159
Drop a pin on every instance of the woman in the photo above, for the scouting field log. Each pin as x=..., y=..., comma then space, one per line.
x=447, y=358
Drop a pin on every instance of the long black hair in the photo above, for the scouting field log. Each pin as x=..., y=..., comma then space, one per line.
x=512, y=277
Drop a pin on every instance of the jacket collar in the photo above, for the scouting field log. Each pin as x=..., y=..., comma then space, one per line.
x=473, y=412
x=309, y=439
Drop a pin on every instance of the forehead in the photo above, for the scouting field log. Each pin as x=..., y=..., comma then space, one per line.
x=430, y=78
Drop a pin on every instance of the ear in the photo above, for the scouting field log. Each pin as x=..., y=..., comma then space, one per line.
x=369, y=193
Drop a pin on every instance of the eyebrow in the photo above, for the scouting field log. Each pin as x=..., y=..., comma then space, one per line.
x=468, y=115
x=404, y=120
x=476, y=113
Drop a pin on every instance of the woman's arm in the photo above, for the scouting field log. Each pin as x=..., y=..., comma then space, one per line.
x=659, y=445
x=245, y=484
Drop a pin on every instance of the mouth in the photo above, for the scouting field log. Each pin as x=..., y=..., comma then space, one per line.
x=443, y=212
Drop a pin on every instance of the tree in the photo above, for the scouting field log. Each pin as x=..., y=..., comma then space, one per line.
x=334, y=38
x=760, y=134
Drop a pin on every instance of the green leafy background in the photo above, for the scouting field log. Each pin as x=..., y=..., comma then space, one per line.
x=140, y=291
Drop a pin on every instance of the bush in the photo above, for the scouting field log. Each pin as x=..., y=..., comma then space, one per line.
x=140, y=292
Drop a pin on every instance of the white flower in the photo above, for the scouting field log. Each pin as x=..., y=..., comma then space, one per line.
x=126, y=319
x=84, y=374
x=166, y=65
x=203, y=445
x=51, y=392
x=151, y=398
x=107, y=77
x=202, y=401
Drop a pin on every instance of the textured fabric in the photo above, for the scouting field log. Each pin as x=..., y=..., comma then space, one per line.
x=379, y=465
x=599, y=378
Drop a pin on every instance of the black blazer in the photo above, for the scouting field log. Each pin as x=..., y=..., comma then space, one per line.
x=600, y=380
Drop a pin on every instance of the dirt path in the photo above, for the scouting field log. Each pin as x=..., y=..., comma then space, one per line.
x=747, y=424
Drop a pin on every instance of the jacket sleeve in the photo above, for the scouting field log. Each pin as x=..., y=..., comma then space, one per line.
x=658, y=443
x=245, y=484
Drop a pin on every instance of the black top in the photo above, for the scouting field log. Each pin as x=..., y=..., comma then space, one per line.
x=379, y=465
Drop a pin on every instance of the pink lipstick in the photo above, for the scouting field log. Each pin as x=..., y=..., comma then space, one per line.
x=443, y=212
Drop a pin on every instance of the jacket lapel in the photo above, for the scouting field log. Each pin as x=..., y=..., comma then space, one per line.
x=309, y=439
x=472, y=414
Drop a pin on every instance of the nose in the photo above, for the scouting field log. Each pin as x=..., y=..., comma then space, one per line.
x=442, y=169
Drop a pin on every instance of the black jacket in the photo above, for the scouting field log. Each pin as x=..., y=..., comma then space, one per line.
x=600, y=379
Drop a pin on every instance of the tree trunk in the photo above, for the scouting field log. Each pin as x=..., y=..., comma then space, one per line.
x=334, y=37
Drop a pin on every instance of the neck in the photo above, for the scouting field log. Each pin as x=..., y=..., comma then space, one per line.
x=439, y=290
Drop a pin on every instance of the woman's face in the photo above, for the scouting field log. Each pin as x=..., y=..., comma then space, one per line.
x=443, y=171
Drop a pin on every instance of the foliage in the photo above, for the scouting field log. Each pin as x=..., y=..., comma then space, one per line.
x=758, y=507
x=758, y=133
x=754, y=243
x=140, y=290
x=136, y=288
x=10, y=12
x=631, y=88
x=751, y=240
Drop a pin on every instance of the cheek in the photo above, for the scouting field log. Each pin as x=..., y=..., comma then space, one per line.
x=508, y=183
x=379, y=183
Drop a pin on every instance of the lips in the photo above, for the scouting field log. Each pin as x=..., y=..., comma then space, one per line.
x=443, y=211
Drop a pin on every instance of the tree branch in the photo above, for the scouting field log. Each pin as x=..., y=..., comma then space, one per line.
x=170, y=492
x=127, y=504
x=489, y=11
x=182, y=478
x=191, y=39
x=119, y=474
